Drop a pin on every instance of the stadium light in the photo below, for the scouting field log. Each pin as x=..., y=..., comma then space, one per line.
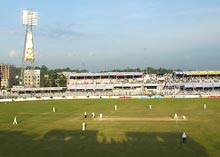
x=30, y=18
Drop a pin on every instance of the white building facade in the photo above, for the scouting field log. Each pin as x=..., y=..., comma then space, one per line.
x=32, y=78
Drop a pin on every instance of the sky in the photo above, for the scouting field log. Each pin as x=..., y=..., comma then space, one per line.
x=115, y=34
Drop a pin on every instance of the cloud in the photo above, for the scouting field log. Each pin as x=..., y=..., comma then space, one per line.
x=199, y=11
x=7, y=31
x=13, y=54
x=60, y=30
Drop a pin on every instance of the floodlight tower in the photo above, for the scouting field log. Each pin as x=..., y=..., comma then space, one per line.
x=30, y=19
x=0, y=81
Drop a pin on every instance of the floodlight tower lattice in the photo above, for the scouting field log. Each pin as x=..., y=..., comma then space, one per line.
x=30, y=19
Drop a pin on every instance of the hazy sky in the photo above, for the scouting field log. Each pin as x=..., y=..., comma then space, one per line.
x=110, y=34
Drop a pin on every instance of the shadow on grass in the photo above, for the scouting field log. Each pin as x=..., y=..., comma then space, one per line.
x=77, y=143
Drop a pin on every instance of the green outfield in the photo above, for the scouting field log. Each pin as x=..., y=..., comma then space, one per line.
x=132, y=130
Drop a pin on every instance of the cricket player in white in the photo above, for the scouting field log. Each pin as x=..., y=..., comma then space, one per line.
x=15, y=121
x=175, y=116
x=93, y=115
x=204, y=106
x=83, y=126
x=183, y=117
x=54, y=110
x=85, y=115
x=116, y=107
x=100, y=116
x=184, y=137
x=150, y=107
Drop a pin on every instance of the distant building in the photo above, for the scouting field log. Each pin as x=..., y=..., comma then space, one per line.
x=32, y=78
x=7, y=75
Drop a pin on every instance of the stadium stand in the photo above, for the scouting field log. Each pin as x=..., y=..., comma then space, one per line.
x=110, y=83
x=128, y=83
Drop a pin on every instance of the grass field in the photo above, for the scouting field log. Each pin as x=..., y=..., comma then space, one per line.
x=132, y=130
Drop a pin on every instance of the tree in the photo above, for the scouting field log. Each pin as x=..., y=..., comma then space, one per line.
x=62, y=80
x=44, y=67
x=150, y=70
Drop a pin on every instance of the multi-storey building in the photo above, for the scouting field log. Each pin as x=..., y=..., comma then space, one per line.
x=7, y=75
x=32, y=78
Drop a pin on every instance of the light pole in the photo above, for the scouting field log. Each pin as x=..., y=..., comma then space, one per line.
x=30, y=19
x=0, y=81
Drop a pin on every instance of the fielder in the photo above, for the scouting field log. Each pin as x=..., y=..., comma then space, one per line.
x=93, y=115
x=150, y=107
x=183, y=117
x=83, y=126
x=100, y=116
x=116, y=107
x=54, y=110
x=85, y=115
x=15, y=121
x=175, y=116
x=184, y=137
x=204, y=106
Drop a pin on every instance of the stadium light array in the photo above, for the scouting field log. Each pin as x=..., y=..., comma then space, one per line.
x=30, y=18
